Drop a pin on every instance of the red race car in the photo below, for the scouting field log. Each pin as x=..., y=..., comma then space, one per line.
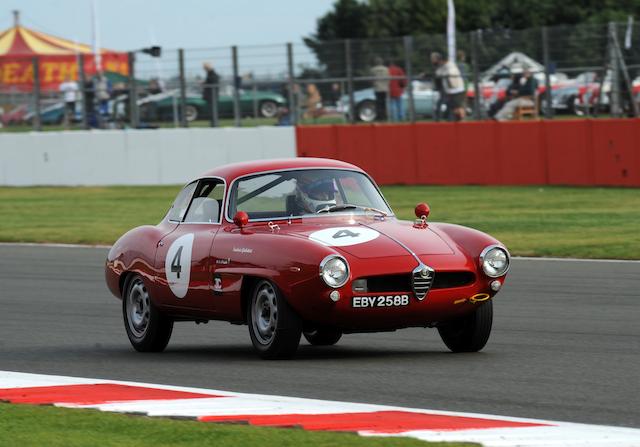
x=302, y=246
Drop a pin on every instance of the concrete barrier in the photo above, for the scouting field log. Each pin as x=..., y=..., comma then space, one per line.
x=133, y=157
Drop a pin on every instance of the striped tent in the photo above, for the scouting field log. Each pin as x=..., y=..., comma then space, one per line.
x=57, y=58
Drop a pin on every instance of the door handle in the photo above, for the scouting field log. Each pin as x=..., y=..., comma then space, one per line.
x=161, y=244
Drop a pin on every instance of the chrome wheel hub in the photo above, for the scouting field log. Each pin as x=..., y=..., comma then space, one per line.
x=138, y=309
x=265, y=314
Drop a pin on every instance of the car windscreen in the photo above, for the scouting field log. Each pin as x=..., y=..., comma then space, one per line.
x=305, y=192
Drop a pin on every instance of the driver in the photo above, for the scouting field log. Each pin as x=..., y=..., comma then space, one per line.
x=314, y=192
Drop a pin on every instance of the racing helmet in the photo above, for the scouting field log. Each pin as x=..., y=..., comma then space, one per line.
x=314, y=194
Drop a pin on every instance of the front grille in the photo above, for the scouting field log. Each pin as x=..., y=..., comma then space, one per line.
x=421, y=280
x=447, y=280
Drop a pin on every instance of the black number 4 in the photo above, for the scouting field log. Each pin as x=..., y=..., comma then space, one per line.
x=175, y=264
x=345, y=233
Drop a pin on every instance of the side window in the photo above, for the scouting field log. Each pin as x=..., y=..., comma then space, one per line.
x=179, y=207
x=207, y=202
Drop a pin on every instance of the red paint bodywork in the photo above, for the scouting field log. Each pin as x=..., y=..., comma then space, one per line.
x=286, y=256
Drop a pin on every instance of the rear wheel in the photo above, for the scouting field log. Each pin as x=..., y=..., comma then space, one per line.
x=324, y=336
x=268, y=109
x=274, y=327
x=147, y=328
x=470, y=333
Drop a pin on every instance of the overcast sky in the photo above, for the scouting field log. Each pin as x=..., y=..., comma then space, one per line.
x=130, y=24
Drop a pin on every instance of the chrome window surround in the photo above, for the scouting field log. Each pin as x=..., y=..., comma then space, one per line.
x=484, y=253
x=266, y=219
x=329, y=258
x=224, y=198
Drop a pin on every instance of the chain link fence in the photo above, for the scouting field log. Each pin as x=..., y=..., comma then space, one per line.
x=580, y=70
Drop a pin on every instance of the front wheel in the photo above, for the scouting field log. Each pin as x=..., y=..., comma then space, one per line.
x=147, y=328
x=469, y=333
x=366, y=111
x=274, y=327
x=323, y=336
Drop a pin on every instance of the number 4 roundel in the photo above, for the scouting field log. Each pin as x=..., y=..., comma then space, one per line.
x=177, y=265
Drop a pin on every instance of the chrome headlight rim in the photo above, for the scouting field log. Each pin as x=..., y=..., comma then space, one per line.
x=347, y=275
x=483, y=257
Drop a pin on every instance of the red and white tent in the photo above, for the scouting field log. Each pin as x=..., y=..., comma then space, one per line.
x=58, y=58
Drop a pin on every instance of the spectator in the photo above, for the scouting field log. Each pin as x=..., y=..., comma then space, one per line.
x=210, y=89
x=313, y=102
x=452, y=86
x=396, y=89
x=381, y=87
x=69, y=90
x=103, y=94
x=523, y=89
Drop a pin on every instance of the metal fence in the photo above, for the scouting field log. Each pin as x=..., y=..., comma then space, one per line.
x=588, y=70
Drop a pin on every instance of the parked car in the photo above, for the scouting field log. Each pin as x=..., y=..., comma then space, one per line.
x=302, y=246
x=160, y=107
x=424, y=96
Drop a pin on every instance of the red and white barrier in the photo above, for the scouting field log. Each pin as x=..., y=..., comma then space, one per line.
x=310, y=414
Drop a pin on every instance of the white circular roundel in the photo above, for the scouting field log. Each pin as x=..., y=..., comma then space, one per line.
x=177, y=265
x=343, y=236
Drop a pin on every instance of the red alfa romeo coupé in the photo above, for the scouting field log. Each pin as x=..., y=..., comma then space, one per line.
x=302, y=247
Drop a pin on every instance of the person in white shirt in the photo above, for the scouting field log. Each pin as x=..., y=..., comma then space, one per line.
x=449, y=76
x=69, y=89
x=380, y=73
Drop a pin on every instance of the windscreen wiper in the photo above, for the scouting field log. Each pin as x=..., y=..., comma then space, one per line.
x=349, y=206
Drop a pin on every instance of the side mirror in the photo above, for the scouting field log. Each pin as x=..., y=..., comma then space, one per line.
x=241, y=219
x=422, y=211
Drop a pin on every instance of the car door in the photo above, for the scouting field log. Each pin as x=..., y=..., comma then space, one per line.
x=183, y=263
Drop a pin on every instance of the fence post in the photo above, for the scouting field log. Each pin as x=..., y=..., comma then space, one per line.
x=82, y=78
x=183, y=90
x=236, y=88
x=134, y=119
x=37, y=122
x=352, y=102
x=408, y=68
x=622, y=67
x=548, y=109
x=293, y=103
x=616, y=109
x=477, y=94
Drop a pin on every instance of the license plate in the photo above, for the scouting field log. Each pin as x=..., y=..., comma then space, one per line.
x=380, y=301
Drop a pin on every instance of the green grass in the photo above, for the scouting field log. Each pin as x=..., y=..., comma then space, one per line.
x=26, y=425
x=532, y=221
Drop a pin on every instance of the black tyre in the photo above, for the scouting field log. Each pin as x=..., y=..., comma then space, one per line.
x=274, y=327
x=147, y=328
x=268, y=109
x=324, y=336
x=366, y=111
x=471, y=333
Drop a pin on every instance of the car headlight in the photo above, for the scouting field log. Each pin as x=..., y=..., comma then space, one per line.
x=494, y=261
x=334, y=271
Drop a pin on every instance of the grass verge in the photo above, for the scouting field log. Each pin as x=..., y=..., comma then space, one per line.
x=27, y=425
x=531, y=221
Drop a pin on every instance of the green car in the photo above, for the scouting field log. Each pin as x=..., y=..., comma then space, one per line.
x=161, y=107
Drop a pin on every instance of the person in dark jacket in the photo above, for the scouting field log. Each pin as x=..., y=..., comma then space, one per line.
x=524, y=91
x=210, y=89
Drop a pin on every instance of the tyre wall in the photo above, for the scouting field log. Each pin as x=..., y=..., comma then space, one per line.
x=602, y=152
x=133, y=157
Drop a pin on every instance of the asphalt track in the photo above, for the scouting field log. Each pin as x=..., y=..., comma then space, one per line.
x=565, y=344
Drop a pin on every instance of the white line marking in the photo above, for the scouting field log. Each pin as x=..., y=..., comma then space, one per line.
x=558, y=434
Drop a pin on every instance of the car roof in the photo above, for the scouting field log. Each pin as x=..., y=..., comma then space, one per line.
x=232, y=171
